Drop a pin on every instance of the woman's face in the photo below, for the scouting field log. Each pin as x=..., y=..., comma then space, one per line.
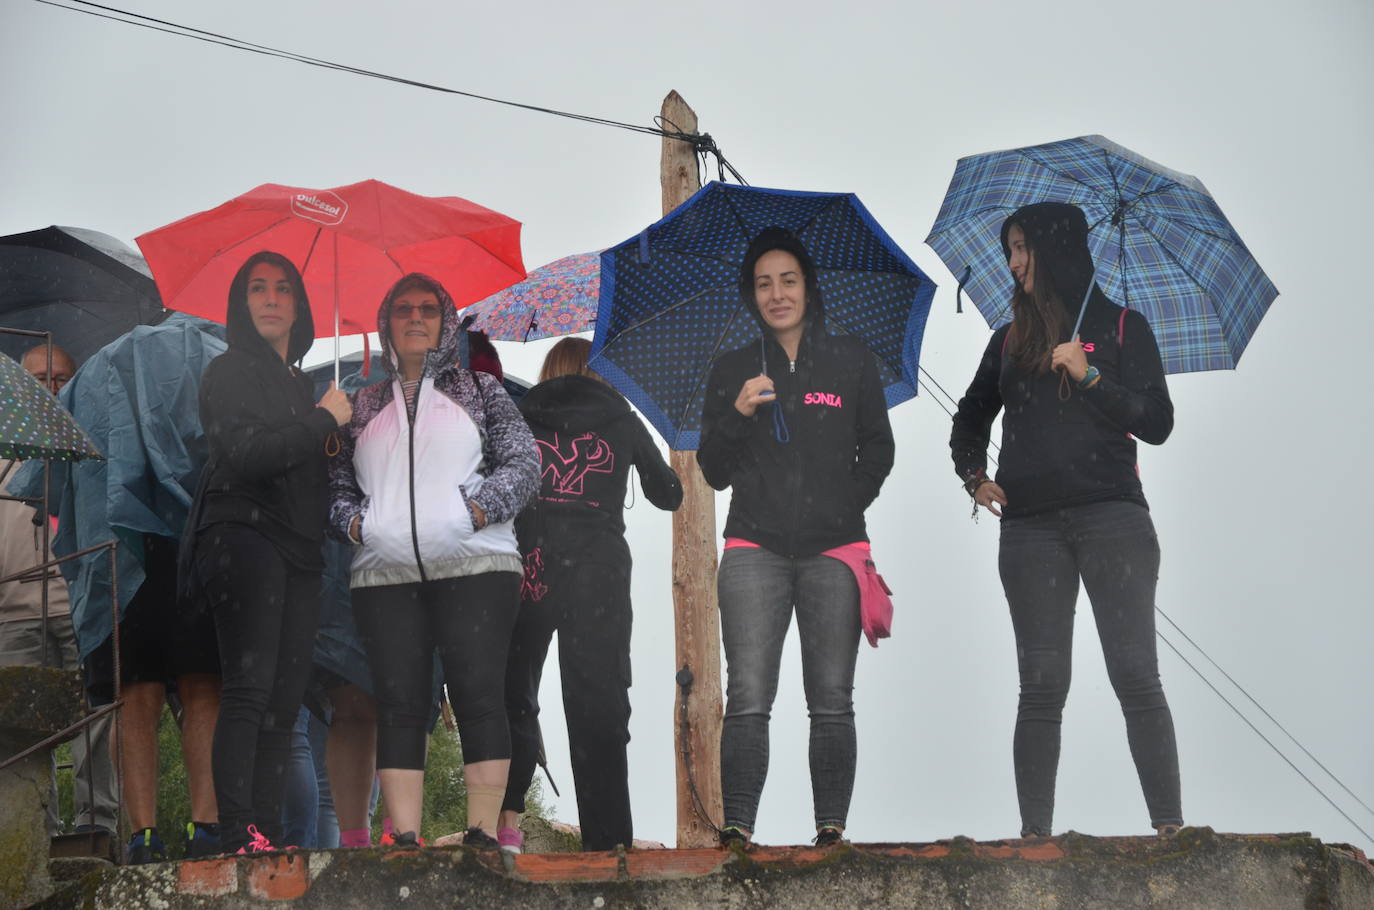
x=1021, y=260
x=780, y=290
x=415, y=322
x=271, y=303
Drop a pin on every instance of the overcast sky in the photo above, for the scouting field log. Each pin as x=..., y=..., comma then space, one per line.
x=1259, y=496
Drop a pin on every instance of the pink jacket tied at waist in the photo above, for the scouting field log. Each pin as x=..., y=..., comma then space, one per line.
x=875, y=602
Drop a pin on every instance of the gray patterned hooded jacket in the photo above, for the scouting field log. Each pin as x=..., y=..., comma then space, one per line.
x=412, y=478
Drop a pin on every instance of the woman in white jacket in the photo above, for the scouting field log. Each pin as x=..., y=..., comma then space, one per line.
x=434, y=467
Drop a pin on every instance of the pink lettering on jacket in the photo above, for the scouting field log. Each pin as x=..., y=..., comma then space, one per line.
x=824, y=398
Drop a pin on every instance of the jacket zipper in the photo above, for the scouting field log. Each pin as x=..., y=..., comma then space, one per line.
x=795, y=480
x=410, y=453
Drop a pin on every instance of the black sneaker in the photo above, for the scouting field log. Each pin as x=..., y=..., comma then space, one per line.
x=145, y=847
x=732, y=836
x=476, y=837
x=828, y=835
x=202, y=840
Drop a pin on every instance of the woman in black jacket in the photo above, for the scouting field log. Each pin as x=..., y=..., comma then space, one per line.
x=257, y=539
x=577, y=582
x=1070, y=498
x=797, y=426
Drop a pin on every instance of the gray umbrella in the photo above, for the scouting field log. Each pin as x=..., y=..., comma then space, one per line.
x=85, y=287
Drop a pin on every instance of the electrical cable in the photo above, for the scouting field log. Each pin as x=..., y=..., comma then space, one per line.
x=1272, y=718
x=702, y=143
x=1266, y=739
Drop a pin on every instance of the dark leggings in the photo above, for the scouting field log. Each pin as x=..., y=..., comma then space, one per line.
x=1113, y=548
x=266, y=612
x=469, y=619
x=588, y=604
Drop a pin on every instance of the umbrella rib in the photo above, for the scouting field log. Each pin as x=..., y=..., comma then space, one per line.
x=656, y=314
x=242, y=240
x=1058, y=173
x=700, y=380
x=311, y=252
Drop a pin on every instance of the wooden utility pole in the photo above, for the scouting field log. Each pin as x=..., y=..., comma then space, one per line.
x=694, y=570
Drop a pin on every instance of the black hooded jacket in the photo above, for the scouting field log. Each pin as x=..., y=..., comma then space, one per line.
x=267, y=464
x=808, y=494
x=1058, y=454
x=588, y=438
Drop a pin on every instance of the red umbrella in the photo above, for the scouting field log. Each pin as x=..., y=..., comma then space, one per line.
x=351, y=243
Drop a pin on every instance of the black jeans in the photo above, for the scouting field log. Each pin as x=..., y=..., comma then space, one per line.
x=266, y=611
x=469, y=619
x=588, y=604
x=1112, y=546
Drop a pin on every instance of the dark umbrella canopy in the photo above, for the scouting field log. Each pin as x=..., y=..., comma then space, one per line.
x=32, y=422
x=670, y=301
x=85, y=287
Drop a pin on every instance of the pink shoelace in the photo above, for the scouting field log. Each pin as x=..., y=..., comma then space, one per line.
x=258, y=844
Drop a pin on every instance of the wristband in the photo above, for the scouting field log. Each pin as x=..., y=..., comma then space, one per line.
x=1090, y=378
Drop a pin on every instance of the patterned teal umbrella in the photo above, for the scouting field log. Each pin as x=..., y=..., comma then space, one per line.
x=32, y=422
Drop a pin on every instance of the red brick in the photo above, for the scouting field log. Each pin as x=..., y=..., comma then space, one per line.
x=211, y=877
x=568, y=867
x=1047, y=850
x=789, y=856
x=659, y=864
x=278, y=878
x=926, y=851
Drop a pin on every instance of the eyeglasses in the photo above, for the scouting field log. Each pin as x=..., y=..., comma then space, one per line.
x=407, y=310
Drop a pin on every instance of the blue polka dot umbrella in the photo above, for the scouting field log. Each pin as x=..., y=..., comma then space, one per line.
x=32, y=422
x=670, y=301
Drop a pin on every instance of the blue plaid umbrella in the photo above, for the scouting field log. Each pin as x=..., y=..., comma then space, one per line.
x=670, y=300
x=1161, y=244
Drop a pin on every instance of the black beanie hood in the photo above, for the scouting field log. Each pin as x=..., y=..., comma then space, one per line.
x=240, y=331
x=1057, y=233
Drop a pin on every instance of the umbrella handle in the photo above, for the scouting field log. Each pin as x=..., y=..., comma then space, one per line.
x=1087, y=295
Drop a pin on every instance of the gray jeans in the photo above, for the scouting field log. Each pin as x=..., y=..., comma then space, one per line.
x=21, y=642
x=758, y=592
x=1112, y=547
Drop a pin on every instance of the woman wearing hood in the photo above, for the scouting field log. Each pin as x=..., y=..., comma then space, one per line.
x=1069, y=496
x=797, y=426
x=434, y=467
x=577, y=582
x=258, y=525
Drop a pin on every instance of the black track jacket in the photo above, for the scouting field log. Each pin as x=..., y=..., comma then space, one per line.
x=806, y=495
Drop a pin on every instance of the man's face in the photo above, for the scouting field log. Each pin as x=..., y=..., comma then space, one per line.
x=36, y=362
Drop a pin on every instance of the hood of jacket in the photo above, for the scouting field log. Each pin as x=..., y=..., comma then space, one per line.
x=1058, y=234
x=573, y=403
x=243, y=336
x=452, y=349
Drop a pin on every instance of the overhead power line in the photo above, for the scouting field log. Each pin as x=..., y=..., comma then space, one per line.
x=701, y=142
x=1270, y=743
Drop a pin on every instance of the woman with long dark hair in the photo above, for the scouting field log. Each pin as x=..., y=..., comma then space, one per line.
x=1070, y=499
x=803, y=468
x=434, y=467
x=577, y=583
x=258, y=532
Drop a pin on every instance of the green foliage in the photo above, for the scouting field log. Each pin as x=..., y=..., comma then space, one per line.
x=66, y=799
x=173, y=795
x=445, y=809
